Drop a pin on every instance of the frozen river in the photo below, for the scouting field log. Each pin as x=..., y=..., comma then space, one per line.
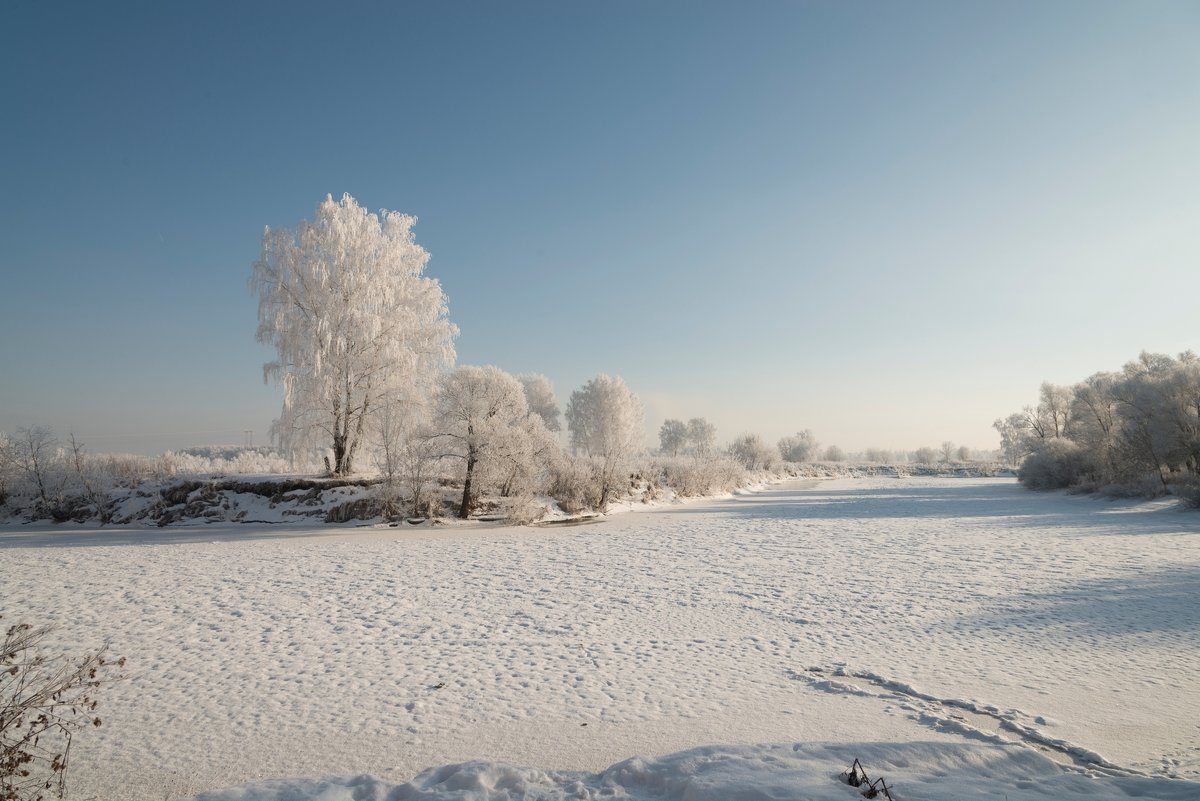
x=846, y=611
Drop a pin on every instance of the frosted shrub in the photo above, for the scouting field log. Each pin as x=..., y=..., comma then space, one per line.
x=753, y=453
x=576, y=483
x=523, y=509
x=1057, y=464
x=212, y=462
x=44, y=701
x=925, y=456
x=127, y=470
x=691, y=478
x=801, y=447
x=1189, y=490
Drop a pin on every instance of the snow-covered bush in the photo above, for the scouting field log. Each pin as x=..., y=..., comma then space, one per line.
x=925, y=456
x=800, y=447
x=1189, y=490
x=217, y=461
x=576, y=482
x=753, y=453
x=45, y=699
x=691, y=478
x=1057, y=464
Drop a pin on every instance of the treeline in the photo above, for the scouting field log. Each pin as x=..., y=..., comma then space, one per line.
x=477, y=433
x=1135, y=432
x=754, y=453
x=45, y=477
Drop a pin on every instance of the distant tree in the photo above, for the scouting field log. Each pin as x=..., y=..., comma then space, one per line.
x=878, y=455
x=8, y=466
x=606, y=423
x=948, y=449
x=834, y=454
x=801, y=447
x=701, y=437
x=964, y=454
x=925, y=456
x=343, y=301
x=539, y=394
x=752, y=452
x=32, y=452
x=672, y=437
x=1015, y=436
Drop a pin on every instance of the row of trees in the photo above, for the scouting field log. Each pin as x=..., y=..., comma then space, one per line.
x=365, y=357
x=1136, y=430
x=494, y=431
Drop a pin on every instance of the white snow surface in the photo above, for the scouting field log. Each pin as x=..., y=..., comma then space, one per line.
x=962, y=637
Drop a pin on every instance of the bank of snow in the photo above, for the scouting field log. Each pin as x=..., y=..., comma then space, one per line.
x=799, y=772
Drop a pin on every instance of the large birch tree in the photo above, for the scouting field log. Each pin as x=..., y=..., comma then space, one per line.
x=344, y=301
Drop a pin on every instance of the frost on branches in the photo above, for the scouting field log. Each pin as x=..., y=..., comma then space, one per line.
x=343, y=301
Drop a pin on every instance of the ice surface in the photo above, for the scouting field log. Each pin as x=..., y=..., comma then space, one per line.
x=259, y=651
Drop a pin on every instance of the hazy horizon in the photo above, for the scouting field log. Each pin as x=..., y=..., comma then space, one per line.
x=886, y=224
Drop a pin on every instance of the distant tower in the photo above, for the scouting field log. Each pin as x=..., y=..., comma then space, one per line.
x=249, y=432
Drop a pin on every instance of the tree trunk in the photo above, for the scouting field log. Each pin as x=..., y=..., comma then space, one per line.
x=340, y=462
x=465, y=508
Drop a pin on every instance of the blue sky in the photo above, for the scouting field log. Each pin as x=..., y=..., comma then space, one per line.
x=887, y=223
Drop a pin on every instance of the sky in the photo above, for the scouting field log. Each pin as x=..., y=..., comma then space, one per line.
x=884, y=222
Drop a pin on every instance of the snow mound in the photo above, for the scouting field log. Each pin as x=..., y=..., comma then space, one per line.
x=801, y=772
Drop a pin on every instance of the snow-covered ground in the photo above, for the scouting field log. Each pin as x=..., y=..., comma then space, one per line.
x=916, y=624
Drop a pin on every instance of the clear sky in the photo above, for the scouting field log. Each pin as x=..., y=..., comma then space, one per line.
x=885, y=222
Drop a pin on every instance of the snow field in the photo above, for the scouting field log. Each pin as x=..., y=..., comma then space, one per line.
x=861, y=612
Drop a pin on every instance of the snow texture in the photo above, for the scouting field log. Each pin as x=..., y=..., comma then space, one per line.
x=962, y=637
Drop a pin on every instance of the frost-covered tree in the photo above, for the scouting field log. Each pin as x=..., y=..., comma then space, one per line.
x=605, y=421
x=1137, y=430
x=539, y=394
x=801, y=447
x=1051, y=418
x=834, y=454
x=948, y=449
x=672, y=437
x=964, y=453
x=483, y=420
x=1096, y=423
x=701, y=437
x=344, y=302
